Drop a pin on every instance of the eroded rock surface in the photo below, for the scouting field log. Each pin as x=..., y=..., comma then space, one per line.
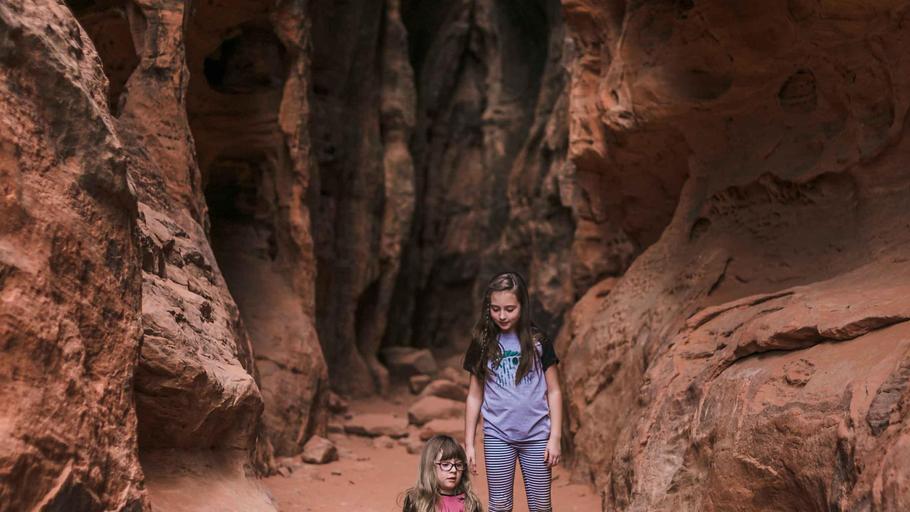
x=69, y=275
x=247, y=106
x=753, y=357
x=229, y=365
x=363, y=201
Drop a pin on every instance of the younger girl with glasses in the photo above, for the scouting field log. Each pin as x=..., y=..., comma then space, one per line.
x=515, y=387
x=442, y=484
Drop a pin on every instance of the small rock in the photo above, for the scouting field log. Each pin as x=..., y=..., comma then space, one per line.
x=451, y=427
x=336, y=473
x=432, y=408
x=291, y=463
x=336, y=404
x=445, y=389
x=335, y=426
x=417, y=382
x=460, y=377
x=375, y=425
x=403, y=362
x=799, y=373
x=284, y=471
x=413, y=445
x=383, y=442
x=319, y=450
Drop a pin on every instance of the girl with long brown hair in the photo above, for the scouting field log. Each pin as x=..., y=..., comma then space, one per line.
x=515, y=386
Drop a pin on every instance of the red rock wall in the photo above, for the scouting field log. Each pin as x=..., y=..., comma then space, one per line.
x=69, y=275
x=492, y=190
x=363, y=196
x=755, y=356
x=230, y=365
x=751, y=159
x=213, y=230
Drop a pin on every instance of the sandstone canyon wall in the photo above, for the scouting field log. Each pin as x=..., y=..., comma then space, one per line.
x=755, y=356
x=216, y=365
x=493, y=190
x=213, y=210
x=439, y=133
x=70, y=284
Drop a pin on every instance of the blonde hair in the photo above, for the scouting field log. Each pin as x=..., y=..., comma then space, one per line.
x=424, y=494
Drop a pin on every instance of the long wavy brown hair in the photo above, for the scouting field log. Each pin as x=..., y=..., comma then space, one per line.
x=422, y=497
x=486, y=333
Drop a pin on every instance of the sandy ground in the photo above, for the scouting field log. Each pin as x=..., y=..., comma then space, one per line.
x=369, y=478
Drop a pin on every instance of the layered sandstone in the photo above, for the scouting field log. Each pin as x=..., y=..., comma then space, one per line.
x=755, y=356
x=363, y=186
x=203, y=112
x=162, y=164
x=69, y=275
x=489, y=145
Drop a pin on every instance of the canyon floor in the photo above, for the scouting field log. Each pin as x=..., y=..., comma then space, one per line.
x=370, y=477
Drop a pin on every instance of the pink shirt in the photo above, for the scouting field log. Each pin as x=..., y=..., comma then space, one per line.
x=450, y=503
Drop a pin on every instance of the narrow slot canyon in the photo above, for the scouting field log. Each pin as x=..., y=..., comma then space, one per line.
x=238, y=71
x=244, y=245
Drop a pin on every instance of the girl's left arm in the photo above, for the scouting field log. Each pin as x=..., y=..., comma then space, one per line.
x=554, y=400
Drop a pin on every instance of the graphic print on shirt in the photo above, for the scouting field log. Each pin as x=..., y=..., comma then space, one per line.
x=505, y=372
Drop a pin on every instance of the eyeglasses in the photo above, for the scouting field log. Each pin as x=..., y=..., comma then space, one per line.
x=448, y=466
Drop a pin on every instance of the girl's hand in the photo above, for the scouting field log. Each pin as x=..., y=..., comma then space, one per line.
x=551, y=455
x=472, y=460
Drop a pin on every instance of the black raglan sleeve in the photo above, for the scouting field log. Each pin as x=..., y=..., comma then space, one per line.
x=547, y=352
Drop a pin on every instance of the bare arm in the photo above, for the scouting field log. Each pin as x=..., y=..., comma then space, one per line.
x=471, y=415
x=554, y=400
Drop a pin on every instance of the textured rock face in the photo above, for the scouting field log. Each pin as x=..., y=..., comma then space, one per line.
x=69, y=275
x=247, y=107
x=363, y=202
x=755, y=356
x=211, y=135
x=493, y=193
x=440, y=133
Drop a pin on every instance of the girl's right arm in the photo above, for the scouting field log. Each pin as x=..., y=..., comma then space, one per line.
x=471, y=415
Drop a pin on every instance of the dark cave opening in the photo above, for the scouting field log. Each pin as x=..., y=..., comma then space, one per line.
x=107, y=23
x=237, y=211
x=251, y=61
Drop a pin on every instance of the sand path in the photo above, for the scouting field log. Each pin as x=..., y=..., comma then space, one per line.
x=371, y=478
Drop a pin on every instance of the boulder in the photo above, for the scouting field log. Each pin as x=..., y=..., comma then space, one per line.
x=456, y=375
x=417, y=382
x=431, y=408
x=412, y=444
x=375, y=425
x=445, y=389
x=383, y=442
x=451, y=427
x=403, y=362
x=319, y=450
x=337, y=404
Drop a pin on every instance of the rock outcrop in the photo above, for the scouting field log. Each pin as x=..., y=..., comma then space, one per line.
x=216, y=364
x=754, y=356
x=210, y=211
x=488, y=78
x=247, y=104
x=70, y=284
x=363, y=199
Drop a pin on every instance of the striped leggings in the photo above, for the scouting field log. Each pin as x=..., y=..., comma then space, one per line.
x=500, y=458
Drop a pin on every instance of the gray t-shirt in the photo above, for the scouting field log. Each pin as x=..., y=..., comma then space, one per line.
x=516, y=412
